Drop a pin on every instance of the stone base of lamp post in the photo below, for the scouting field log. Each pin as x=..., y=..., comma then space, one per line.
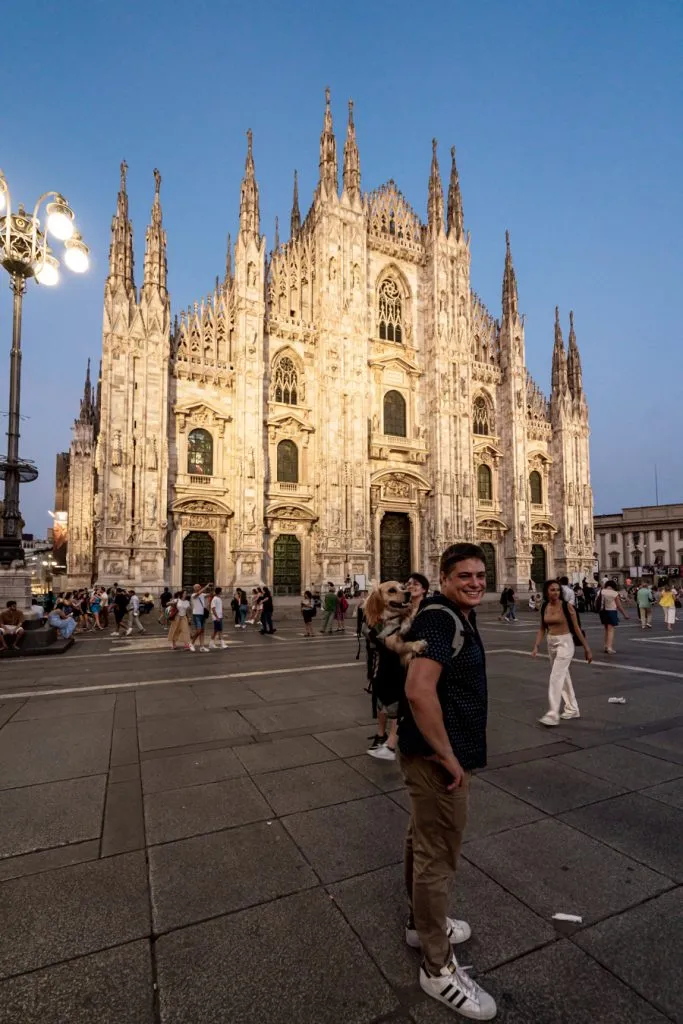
x=15, y=585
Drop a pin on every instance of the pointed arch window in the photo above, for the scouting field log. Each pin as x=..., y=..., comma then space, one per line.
x=484, y=483
x=286, y=381
x=480, y=417
x=390, y=311
x=395, y=414
x=287, y=462
x=536, y=488
x=200, y=453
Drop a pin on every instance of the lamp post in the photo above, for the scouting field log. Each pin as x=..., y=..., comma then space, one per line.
x=25, y=254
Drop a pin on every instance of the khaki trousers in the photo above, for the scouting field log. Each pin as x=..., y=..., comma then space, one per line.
x=437, y=824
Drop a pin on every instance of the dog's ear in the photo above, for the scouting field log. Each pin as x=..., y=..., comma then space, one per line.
x=374, y=607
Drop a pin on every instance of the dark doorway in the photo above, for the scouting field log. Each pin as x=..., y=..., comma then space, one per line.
x=287, y=565
x=539, y=569
x=394, y=552
x=490, y=562
x=198, y=552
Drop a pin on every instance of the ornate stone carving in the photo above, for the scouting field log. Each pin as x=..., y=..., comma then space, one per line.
x=397, y=486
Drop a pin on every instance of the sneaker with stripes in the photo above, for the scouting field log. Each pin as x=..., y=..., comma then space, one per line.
x=457, y=931
x=454, y=987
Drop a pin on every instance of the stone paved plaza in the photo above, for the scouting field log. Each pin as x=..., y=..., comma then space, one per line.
x=199, y=839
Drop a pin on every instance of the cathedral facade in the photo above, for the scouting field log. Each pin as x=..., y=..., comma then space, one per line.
x=342, y=406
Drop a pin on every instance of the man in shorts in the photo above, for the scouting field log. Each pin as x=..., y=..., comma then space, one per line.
x=11, y=628
x=442, y=740
x=216, y=609
x=197, y=608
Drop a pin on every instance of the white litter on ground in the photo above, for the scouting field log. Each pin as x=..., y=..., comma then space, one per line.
x=616, y=700
x=568, y=917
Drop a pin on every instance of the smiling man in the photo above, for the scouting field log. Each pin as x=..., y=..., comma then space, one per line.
x=442, y=739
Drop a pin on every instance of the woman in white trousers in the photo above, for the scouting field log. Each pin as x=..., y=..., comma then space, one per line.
x=560, y=624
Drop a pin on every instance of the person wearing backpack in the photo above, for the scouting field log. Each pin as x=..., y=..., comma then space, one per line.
x=442, y=740
x=560, y=623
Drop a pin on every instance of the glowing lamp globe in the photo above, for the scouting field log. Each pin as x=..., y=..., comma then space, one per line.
x=60, y=220
x=76, y=256
x=46, y=272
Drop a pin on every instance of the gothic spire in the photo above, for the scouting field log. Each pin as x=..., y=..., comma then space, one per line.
x=509, y=283
x=276, y=239
x=155, y=244
x=328, y=151
x=435, y=200
x=249, y=203
x=455, y=220
x=351, y=159
x=121, y=246
x=559, y=374
x=228, y=263
x=573, y=361
x=87, y=410
x=295, y=219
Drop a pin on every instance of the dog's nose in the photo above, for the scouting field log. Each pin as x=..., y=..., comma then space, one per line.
x=406, y=596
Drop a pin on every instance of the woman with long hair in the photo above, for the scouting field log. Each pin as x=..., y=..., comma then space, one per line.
x=561, y=626
x=610, y=606
x=307, y=612
x=267, y=612
x=177, y=612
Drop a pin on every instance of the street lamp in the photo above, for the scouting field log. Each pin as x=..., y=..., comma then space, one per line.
x=24, y=253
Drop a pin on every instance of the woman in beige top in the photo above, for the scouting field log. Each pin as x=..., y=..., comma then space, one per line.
x=610, y=606
x=560, y=624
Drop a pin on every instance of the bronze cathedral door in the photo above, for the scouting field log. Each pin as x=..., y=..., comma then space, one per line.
x=198, y=552
x=394, y=544
x=287, y=564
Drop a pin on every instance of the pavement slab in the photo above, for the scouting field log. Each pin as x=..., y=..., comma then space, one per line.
x=72, y=911
x=553, y=868
x=194, y=810
x=303, y=939
x=347, y=742
x=559, y=985
x=623, y=945
x=274, y=755
x=63, y=707
x=54, y=748
x=647, y=830
x=493, y=810
x=112, y=987
x=386, y=775
x=51, y=814
x=668, y=792
x=175, y=772
x=350, y=838
x=550, y=786
x=179, y=730
x=47, y=860
x=206, y=876
x=625, y=768
x=313, y=714
x=312, y=785
x=668, y=743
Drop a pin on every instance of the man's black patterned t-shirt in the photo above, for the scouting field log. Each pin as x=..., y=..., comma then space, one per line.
x=461, y=689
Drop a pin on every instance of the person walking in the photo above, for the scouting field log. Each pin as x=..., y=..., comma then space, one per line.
x=667, y=602
x=560, y=624
x=307, y=613
x=199, y=610
x=216, y=610
x=340, y=611
x=178, y=612
x=567, y=592
x=121, y=602
x=267, y=612
x=329, y=608
x=510, y=615
x=644, y=601
x=504, y=604
x=610, y=606
x=164, y=599
x=243, y=608
x=442, y=739
x=134, y=618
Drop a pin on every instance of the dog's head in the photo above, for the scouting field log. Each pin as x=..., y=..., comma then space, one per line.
x=388, y=601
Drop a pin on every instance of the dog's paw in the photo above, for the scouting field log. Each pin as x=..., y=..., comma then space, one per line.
x=418, y=646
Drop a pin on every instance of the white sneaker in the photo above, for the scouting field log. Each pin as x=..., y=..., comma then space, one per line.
x=457, y=931
x=549, y=719
x=212, y=646
x=190, y=647
x=129, y=631
x=382, y=753
x=223, y=644
x=570, y=714
x=454, y=987
x=204, y=649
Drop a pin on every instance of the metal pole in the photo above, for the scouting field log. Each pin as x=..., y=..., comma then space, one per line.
x=11, y=516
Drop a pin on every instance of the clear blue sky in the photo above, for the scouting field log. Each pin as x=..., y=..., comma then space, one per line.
x=567, y=118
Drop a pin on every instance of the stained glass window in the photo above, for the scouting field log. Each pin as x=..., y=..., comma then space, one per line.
x=285, y=381
x=200, y=453
x=536, y=488
x=480, y=416
x=484, y=483
x=287, y=462
x=394, y=414
x=390, y=313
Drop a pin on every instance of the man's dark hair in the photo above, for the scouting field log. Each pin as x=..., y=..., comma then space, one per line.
x=564, y=581
x=422, y=580
x=11, y=604
x=459, y=553
x=219, y=590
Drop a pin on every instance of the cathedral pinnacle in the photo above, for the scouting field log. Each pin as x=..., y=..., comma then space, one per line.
x=559, y=372
x=87, y=410
x=228, y=263
x=351, y=159
x=573, y=361
x=121, y=246
x=249, y=200
x=435, y=199
x=455, y=221
x=276, y=239
x=155, y=244
x=329, y=178
x=509, y=282
x=295, y=219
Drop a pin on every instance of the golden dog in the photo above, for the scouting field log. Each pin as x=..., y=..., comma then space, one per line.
x=388, y=611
